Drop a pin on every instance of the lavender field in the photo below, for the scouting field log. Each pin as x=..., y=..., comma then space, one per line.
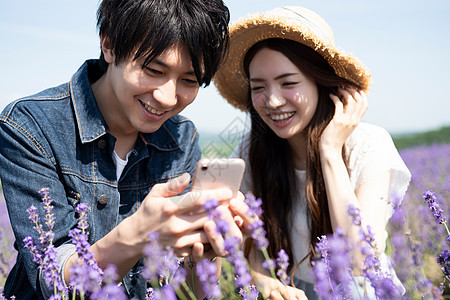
x=417, y=232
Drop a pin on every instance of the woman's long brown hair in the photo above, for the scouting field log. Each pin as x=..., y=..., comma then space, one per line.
x=271, y=158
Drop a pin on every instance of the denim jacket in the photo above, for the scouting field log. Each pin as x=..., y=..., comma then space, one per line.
x=59, y=139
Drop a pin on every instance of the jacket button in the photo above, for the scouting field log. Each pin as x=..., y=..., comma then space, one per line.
x=103, y=199
x=101, y=144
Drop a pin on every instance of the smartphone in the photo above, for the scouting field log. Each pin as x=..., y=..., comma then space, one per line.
x=211, y=173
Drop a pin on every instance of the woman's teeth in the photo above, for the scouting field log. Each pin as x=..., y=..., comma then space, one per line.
x=281, y=117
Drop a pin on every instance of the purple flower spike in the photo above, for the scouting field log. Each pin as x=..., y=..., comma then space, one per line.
x=251, y=294
x=443, y=259
x=355, y=213
x=434, y=207
x=82, y=210
x=206, y=272
x=282, y=264
x=333, y=270
x=210, y=205
x=253, y=204
x=258, y=233
x=30, y=245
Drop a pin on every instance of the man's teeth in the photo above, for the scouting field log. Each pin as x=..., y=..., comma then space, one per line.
x=281, y=117
x=152, y=110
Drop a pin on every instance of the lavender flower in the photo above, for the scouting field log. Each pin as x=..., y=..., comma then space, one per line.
x=333, y=275
x=322, y=285
x=86, y=276
x=231, y=245
x=162, y=268
x=150, y=294
x=33, y=216
x=269, y=264
x=258, y=233
x=51, y=269
x=206, y=272
x=443, y=259
x=354, y=212
x=210, y=205
x=7, y=252
x=46, y=200
x=282, y=264
x=380, y=281
x=82, y=210
x=434, y=207
x=251, y=293
x=45, y=254
x=254, y=204
x=34, y=249
x=110, y=289
x=340, y=260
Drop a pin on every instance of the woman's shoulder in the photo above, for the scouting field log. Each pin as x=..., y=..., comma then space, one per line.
x=366, y=136
x=366, y=131
x=242, y=148
x=368, y=142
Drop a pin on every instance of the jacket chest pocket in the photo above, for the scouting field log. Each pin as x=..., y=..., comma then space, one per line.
x=103, y=201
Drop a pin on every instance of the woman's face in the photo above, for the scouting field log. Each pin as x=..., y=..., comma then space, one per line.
x=284, y=97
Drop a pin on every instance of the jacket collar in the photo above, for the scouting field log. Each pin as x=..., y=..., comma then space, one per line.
x=92, y=125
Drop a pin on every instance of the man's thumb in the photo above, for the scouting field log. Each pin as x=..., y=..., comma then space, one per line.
x=172, y=187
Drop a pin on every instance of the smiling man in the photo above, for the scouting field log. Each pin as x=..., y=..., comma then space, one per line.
x=112, y=138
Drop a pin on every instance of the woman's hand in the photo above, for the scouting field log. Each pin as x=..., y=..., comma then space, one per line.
x=350, y=107
x=274, y=289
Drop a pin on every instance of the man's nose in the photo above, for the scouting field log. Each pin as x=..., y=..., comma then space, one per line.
x=166, y=94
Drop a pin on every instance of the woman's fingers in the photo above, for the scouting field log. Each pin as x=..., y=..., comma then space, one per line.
x=286, y=292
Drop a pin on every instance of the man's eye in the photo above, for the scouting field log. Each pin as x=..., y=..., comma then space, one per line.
x=191, y=82
x=154, y=71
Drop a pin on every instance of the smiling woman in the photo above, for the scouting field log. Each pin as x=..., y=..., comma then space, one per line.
x=309, y=156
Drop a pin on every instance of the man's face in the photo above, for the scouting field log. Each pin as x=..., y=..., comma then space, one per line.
x=142, y=99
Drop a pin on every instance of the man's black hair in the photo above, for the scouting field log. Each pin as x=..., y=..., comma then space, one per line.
x=146, y=28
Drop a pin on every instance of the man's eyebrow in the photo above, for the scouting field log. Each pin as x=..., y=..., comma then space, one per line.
x=164, y=65
x=255, y=79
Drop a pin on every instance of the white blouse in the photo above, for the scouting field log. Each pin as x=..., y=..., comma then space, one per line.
x=369, y=150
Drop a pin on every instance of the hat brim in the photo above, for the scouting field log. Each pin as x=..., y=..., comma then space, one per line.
x=231, y=81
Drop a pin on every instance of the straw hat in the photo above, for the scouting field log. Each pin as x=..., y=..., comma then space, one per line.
x=291, y=22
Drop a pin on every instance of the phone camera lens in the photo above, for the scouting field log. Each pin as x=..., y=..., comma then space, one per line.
x=204, y=168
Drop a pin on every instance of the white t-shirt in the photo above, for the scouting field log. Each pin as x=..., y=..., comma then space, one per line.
x=369, y=150
x=120, y=163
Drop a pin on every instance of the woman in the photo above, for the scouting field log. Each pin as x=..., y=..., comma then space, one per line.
x=309, y=157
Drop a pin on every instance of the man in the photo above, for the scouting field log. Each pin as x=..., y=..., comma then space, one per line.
x=112, y=138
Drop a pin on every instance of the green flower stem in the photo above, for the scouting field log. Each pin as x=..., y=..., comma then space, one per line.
x=446, y=227
x=267, y=258
x=188, y=290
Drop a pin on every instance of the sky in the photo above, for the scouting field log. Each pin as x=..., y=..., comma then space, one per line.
x=405, y=44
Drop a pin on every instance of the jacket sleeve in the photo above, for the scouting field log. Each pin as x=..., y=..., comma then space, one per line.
x=27, y=165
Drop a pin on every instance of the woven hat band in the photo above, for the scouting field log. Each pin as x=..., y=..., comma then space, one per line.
x=313, y=21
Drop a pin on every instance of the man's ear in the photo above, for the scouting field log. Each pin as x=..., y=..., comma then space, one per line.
x=108, y=53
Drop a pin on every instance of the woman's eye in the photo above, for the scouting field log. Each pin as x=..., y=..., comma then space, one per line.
x=256, y=88
x=289, y=83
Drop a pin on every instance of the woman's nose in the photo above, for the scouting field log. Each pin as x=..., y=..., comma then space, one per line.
x=274, y=101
